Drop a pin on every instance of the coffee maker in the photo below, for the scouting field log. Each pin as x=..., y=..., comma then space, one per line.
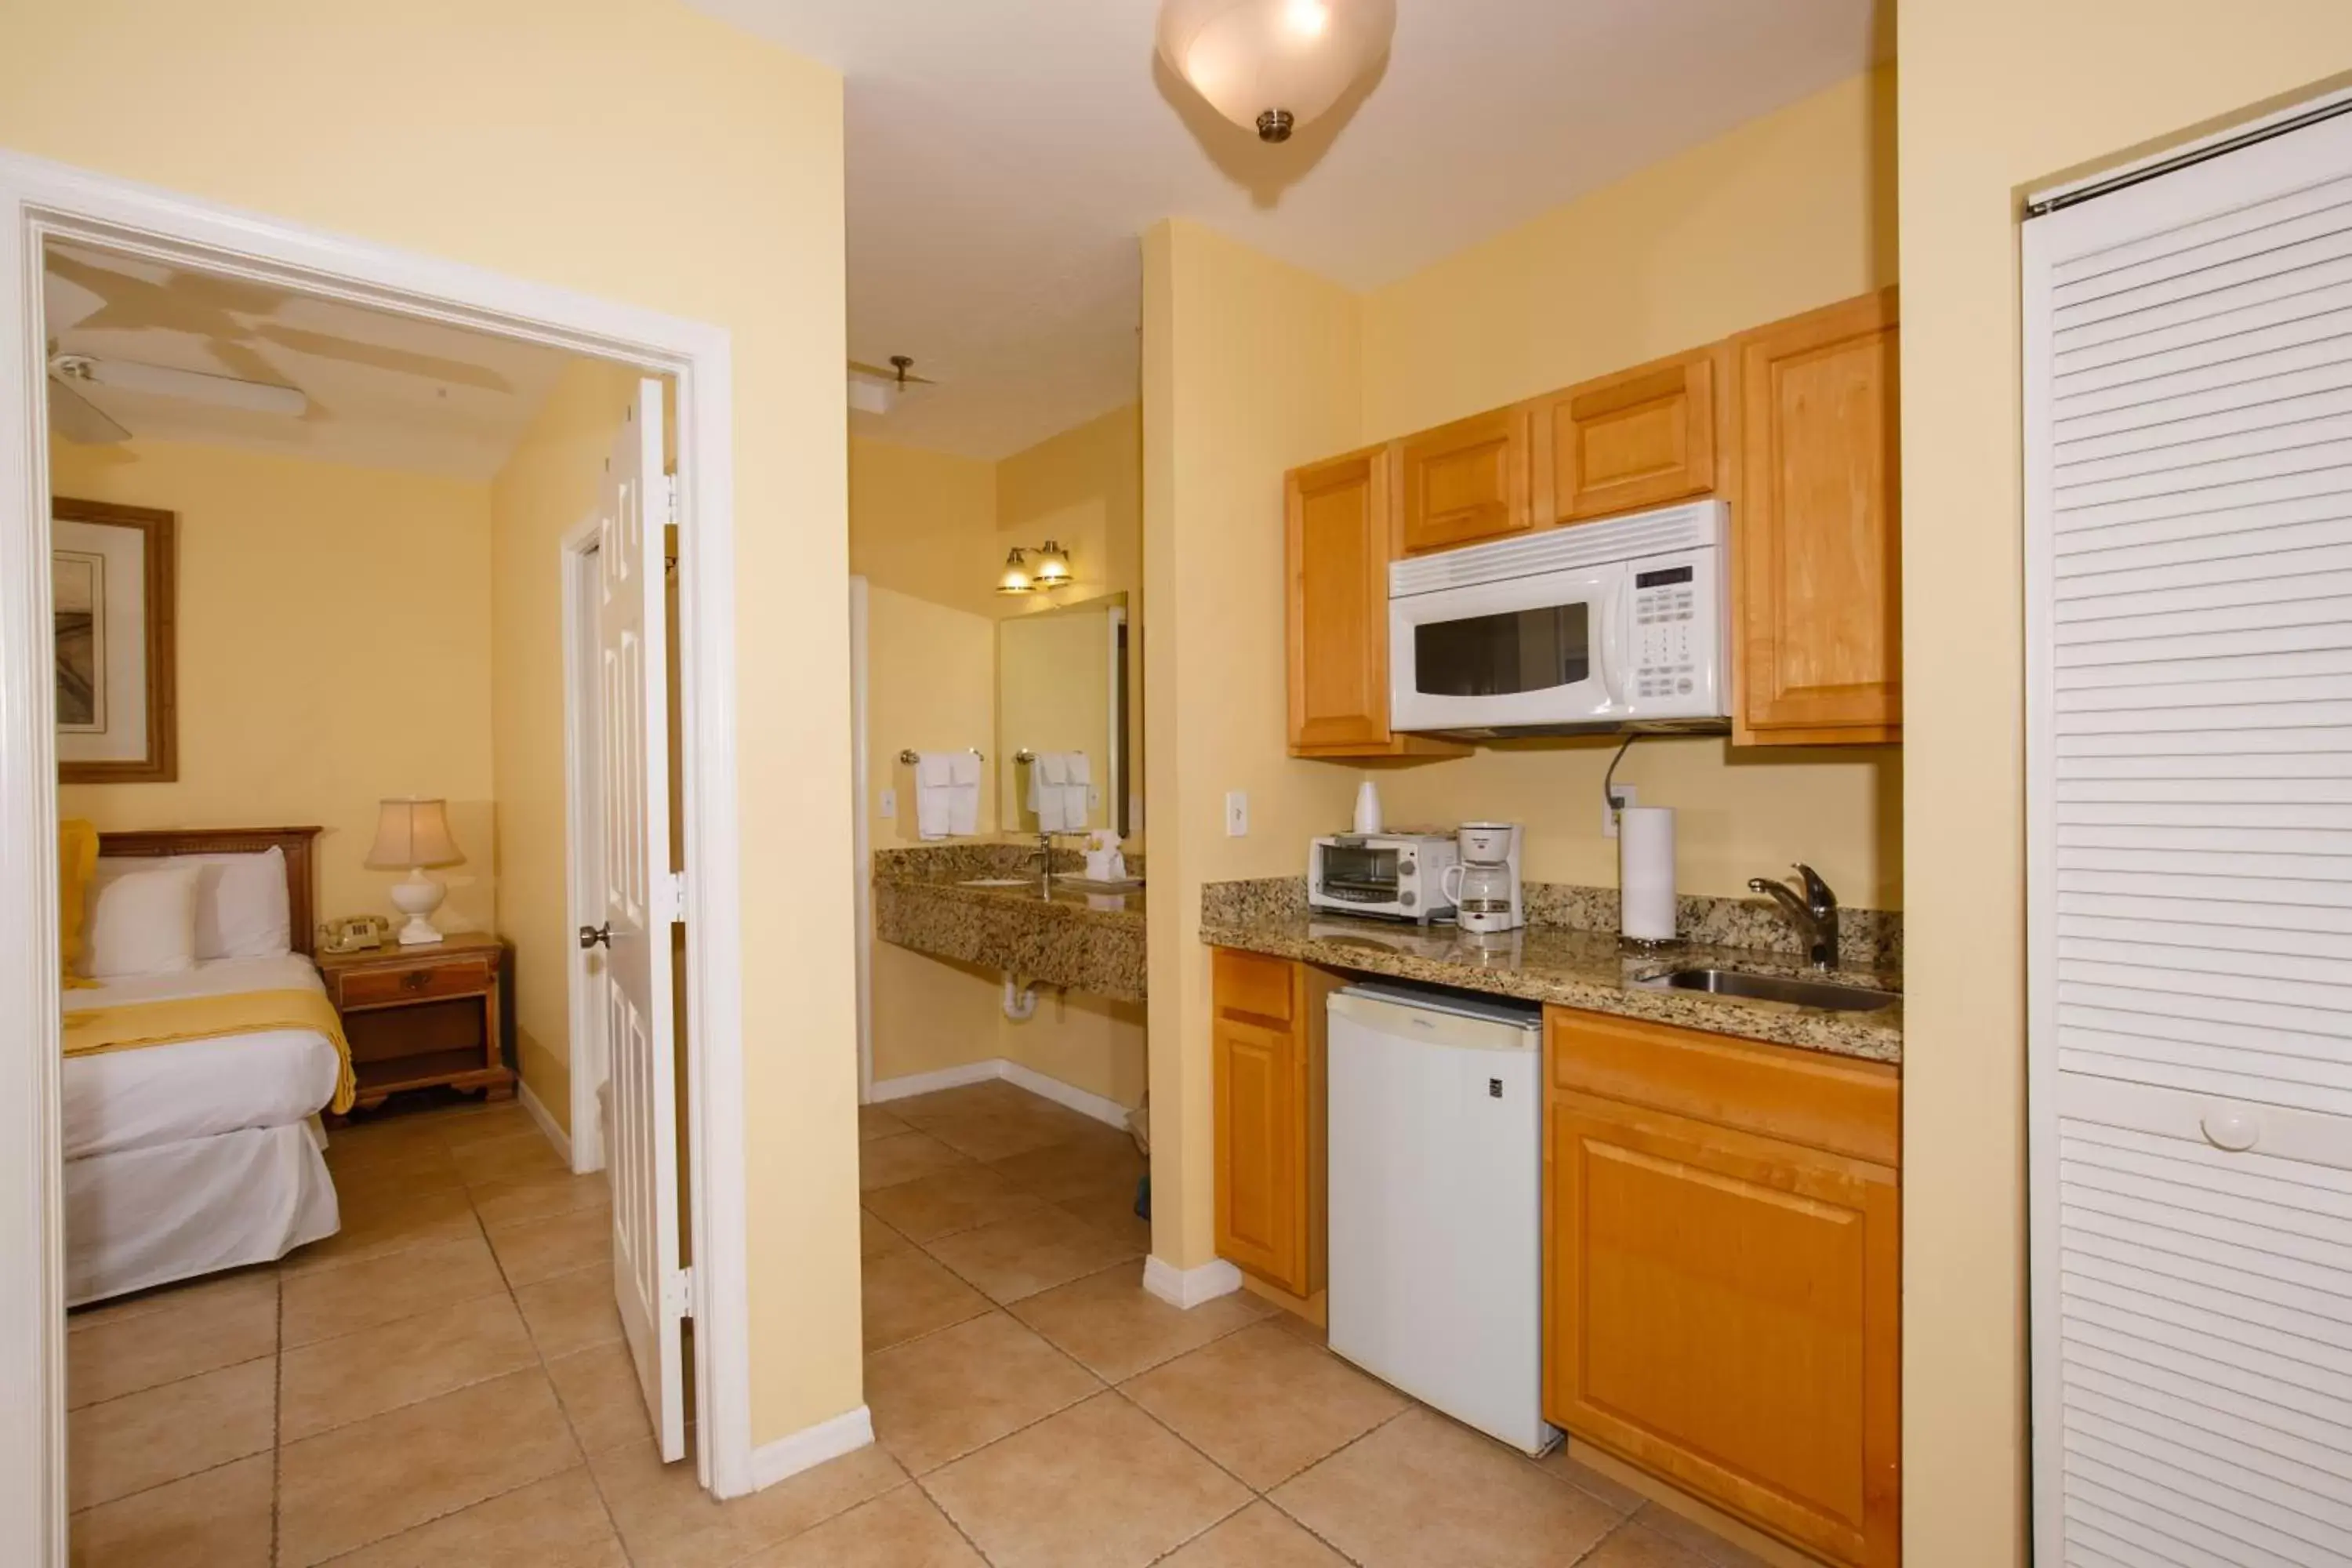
x=1484, y=883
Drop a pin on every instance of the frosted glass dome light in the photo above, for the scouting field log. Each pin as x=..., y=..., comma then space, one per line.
x=1273, y=65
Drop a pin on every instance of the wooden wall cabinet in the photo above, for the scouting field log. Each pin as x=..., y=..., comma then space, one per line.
x=1465, y=482
x=1816, y=533
x=1724, y=1274
x=1337, y=522
x=1267, y=1030
x=1643, y=438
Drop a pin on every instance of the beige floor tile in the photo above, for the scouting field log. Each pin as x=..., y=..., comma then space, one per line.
x=940, y=1397
x=1099, y=1485
x=514, y=1155
x=336, y=1382
x=542, y=1248
x=159, y=1435
x=218, y=1518
x=909, y=1293
x=559, y=1523
x=601, y=1395
x=379, y=1221
x=571, y=1312
x=503, y=1119
x=887, y=1162
x=1264, y=1404
x=1116, y=1329
x=1563, y=1464
x=875, y=1239
x=375, y=1159
x=668, y=1520
x=329, y=1302
x=901, y=1529
x=186, y=1296
x=1028, y=1253
x=511, y=1200
x=374, y=1478
x=390, y=1140
x=968, y=1099
x=1695, y=1538
x=207, y=1331
x=1260, y=1536
x=964, y=1199
x=1423, y=1492
x=1113, y=1213
x=1290, y=1323
x=875, y=1121
x=1000, y=1134
x=1634, y=1546
x=1071, y=1172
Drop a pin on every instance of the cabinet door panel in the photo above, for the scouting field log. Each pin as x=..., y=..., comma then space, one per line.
x=1465, y=481
x=1818, y=531
x=1259, y=1145
x=1642, y=439
x=1722, y=1311
x=1337, y=539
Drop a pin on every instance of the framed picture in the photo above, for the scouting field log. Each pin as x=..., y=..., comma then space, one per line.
x=112, y=594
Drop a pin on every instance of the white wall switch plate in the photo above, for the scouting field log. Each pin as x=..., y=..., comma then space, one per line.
x=889, y=802
x=1237, y=814
x=1625, y=795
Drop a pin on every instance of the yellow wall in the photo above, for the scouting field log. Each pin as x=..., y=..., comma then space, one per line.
x=635, y=151
x=334, y=649
x=1250, y=367
x=2000, y=96
x=931, y=684
x=1781, y=215
x=924, y=523
x=548, y=487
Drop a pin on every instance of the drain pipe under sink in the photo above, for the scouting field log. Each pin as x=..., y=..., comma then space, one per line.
x=1020, y=1000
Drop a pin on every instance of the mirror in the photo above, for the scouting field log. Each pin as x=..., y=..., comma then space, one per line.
x=1061, y=691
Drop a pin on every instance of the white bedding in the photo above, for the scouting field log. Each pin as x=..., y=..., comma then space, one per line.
x=120, y=1101
x=142, y=1217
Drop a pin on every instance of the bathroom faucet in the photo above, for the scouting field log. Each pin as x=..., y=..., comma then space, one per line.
x=1814, y=913
x=1043, y=855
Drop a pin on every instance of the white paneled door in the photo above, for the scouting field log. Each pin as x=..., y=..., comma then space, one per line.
x=640, y=910
x=2188, y=483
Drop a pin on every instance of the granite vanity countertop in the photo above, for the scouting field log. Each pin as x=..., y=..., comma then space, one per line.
x=1067, y=902
x=1086, y=942
x=1580, y=968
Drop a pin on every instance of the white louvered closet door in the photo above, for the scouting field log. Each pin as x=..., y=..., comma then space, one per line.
x=2188, y=476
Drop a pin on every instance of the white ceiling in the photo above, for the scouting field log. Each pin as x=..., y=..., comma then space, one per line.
x=1005, y=157
x=386, y=391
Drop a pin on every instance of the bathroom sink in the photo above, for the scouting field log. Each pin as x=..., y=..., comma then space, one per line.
x=998, y=882
x=1825, y=993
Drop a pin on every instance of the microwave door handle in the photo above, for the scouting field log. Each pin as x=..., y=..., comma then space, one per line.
x=1612, y=621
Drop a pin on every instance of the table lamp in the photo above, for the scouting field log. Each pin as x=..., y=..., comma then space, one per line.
x=414, y=834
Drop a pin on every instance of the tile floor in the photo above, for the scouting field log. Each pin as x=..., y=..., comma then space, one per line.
x=443, y=1383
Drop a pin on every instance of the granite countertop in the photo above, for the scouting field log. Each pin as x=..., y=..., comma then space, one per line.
x=1571, y=968
x=1088, y=941
x=956, y=882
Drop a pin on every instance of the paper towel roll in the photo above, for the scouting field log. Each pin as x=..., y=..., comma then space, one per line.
x=1645, y=872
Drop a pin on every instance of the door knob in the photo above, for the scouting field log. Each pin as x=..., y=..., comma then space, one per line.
x=596, y=936
x=2233, y=1130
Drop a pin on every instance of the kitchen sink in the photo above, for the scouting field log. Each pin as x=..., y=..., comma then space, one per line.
x=1825, y=994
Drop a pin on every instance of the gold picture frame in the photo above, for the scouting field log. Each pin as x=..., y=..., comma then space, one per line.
x=114, y=584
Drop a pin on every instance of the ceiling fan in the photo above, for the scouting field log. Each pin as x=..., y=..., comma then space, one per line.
x=873, y=390
x=66, y=305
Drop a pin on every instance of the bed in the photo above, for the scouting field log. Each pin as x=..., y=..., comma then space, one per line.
x=202, y=1154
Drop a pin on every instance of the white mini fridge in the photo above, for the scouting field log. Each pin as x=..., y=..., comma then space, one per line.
x=1436, y=1202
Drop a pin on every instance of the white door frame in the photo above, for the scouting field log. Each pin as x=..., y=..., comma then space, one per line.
x=584, y=851
x=40, y=200
x=861, y=832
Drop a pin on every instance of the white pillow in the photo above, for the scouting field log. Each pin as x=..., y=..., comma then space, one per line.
x=144, y=922
x=241, y=908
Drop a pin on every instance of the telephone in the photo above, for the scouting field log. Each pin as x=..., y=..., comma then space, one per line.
x=356, y=933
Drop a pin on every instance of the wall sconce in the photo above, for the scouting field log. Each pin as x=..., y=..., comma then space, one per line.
x=1015, y=578
x=1052, y=570
x=1052, y=567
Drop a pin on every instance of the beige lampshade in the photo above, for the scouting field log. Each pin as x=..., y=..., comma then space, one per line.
x=413, y=833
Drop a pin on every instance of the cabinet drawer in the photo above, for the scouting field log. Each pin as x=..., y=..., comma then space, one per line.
x=1252, y=984
x=1800, y=1096
x=374, y=988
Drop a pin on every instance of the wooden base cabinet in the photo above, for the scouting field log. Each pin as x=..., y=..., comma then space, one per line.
x=1723, y=1270
x=1267, y=1034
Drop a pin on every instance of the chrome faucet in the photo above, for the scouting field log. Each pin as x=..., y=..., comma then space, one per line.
x=1043, y=855
x=1814, y=913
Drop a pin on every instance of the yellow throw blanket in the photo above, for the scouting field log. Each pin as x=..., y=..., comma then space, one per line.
x=132, y=1025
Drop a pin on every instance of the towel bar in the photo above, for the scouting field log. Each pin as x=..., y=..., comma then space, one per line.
x=910, y=759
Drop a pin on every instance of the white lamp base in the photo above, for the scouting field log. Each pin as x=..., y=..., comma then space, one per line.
x=417, y=898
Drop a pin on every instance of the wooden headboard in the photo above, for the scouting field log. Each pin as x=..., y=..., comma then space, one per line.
x=300, y=872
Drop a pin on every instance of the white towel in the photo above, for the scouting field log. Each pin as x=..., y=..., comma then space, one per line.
x=1048, y=796
x=1077, y=804
x=963, y=794
x=935, y=794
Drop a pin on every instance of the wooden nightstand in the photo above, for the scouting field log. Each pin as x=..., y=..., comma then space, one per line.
x=425, y=1015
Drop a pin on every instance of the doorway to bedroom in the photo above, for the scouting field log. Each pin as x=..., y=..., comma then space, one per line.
x=341, y=1097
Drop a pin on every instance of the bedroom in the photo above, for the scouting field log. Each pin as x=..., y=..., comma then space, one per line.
x=325, y=566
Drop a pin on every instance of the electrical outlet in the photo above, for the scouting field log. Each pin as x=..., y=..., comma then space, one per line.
x=1623, y=796
x=1236, y=814
x=889, y=802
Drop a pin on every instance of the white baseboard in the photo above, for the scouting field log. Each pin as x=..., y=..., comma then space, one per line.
x=546, y=1123
x=916, y=1083
x=811, y=1446
x=1188, y=1288
x=1109, y=1111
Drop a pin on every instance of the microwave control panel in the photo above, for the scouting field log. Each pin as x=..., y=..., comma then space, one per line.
x=1669, y=643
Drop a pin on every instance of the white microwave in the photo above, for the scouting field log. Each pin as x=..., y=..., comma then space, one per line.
x=1598, y=627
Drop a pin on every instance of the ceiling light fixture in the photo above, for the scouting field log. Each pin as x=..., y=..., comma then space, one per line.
x=1273, y=65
